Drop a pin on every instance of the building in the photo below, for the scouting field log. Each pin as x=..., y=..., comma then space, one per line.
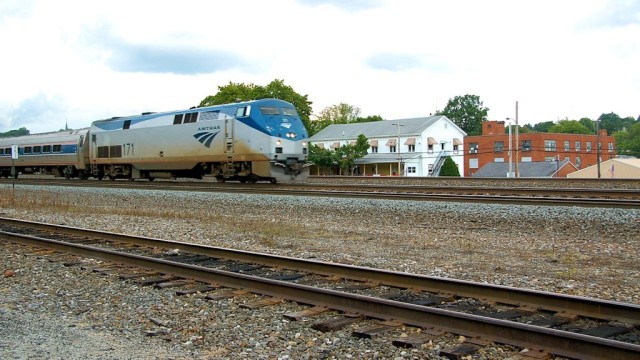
x=534, y=169
x=617, y=168
x=409, y=147
x=493, y=146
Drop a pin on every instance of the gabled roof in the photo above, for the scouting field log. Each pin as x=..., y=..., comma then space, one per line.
x=378, y=129
x=526, y=169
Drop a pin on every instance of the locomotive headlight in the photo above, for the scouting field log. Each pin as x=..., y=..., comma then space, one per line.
x=304, y=143
x=278, y=142
x=291, y=135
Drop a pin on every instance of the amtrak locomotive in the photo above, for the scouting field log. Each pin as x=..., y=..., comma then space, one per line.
x=260, y=140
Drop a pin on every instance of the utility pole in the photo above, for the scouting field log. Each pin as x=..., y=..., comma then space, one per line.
x=598, y=145
x=517, y=142
x=398, y=149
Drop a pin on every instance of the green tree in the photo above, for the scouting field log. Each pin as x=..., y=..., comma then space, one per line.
x=339, y=114
x=348, y=154
x=20, y=132
x=589, y=124
x=324, y=159
x=467, y=112
x=628, y=141
x=543, y=126
x=235, y=92
x=569, y=127
x=449, y=168
x=614, y=123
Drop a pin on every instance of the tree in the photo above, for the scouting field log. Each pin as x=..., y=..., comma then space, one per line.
x=449, y=168
x=543, y=126
x=348, y=154
x=20, y=132
x=339, y=114
x=324, y=159
x=589, y=124
x=614, y=123
x=467, y=112
x=628, y=141
x=569, y=127
x=235, y=92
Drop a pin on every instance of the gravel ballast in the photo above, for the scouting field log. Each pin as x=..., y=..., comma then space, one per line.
x=49, y=310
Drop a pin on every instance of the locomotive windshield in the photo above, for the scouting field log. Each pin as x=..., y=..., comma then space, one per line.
x=272, y=110
x=269, y=110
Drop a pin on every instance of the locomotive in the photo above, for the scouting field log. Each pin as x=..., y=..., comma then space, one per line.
x=259, y=140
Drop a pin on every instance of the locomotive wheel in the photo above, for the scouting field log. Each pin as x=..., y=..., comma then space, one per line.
x=273, y=180
x=220, y=179
x=151, y=179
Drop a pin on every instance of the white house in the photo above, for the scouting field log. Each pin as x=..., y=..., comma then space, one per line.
x=410, y=147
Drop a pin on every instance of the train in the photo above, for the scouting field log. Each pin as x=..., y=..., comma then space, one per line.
x=251, y=141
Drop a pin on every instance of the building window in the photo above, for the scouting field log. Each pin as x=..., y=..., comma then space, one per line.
x=430, y=148
x=588, y=146
x=526, y=145
x=473, y=163
x=374, y=149
x=498, y=160
x=610, y=147
x=455, y=149
x=578, y=146
x=411, y=148
x=473, y=148
x=578, y=162
x=549, y=145
x=411, y=169
x=567, y=147
x=549, y=158
x=392, y=148
x=498, y=146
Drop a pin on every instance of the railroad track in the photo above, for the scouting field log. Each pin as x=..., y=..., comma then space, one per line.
x=619, y=198
x=569, y=326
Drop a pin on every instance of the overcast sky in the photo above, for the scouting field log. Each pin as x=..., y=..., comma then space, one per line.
x=78, y=61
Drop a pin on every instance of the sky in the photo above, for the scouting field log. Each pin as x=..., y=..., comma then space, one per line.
x=68, y=63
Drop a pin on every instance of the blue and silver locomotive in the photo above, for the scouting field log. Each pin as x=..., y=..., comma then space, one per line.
x=260, y=140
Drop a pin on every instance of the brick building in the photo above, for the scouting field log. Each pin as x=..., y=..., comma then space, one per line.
x=493, y=146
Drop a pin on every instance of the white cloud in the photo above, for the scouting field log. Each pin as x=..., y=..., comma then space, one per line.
x=78, y=61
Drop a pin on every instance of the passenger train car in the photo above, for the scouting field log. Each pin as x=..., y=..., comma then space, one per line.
x=59, y=153
x=260, y=140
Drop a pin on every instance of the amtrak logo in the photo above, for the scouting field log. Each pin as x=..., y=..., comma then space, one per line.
x=206, y=137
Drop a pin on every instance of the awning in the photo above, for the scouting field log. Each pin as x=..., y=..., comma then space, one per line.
x=373, y=143
x=391, y=142
x=335, y=145
x=457, y=141
x=410, y=141
x=320, y=145
x=431, y=141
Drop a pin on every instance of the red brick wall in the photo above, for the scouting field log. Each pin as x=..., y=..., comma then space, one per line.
x=495, y=131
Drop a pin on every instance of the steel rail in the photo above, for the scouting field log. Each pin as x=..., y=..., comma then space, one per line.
x=618, y=202
x=558, y=342
x=569, y=304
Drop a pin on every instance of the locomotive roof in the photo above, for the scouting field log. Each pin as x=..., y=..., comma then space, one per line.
x=151, y=115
